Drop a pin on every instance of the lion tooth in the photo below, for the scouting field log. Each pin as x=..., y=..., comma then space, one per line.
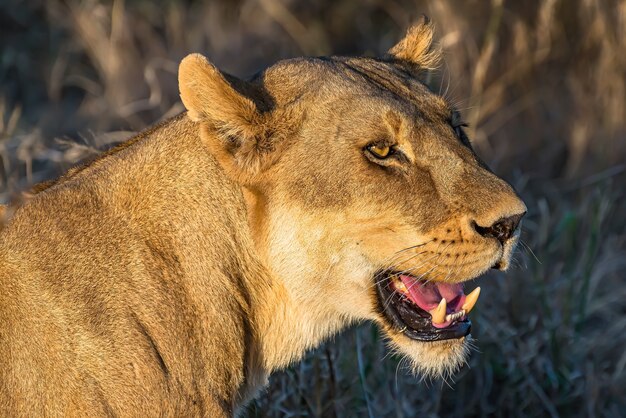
x=455, y=315
x=470, y=300
x=439, y=313
x=400, y=286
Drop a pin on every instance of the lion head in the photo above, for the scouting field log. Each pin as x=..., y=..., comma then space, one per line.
x=364, y=196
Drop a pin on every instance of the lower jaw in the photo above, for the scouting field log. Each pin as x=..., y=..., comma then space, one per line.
x=415, y=327
x=458, y=330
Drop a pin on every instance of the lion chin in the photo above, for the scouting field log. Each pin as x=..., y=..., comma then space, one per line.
x=431, y=359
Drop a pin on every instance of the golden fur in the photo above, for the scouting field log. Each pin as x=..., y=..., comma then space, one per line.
x=173, y=275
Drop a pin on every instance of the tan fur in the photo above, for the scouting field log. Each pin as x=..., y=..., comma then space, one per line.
x=173, y=275
x=417, y=46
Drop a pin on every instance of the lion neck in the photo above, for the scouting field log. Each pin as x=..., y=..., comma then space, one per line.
x=287, y=321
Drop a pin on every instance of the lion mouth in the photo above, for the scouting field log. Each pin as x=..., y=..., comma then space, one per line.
x=424, y=310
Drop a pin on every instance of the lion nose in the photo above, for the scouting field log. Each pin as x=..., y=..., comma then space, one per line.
x=502, y=229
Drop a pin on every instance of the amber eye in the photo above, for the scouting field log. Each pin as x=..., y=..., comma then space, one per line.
x=380, y=151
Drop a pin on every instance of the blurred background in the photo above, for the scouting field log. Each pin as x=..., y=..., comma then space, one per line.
x=542, y=85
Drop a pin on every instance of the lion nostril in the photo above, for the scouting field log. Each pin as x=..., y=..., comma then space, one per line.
x=502, y=229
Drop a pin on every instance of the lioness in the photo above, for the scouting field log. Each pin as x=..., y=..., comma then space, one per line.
x=171, y=276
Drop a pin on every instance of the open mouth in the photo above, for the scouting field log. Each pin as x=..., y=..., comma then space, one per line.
x=424, y=310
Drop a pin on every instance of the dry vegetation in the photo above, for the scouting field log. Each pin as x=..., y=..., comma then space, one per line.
x=543, y=86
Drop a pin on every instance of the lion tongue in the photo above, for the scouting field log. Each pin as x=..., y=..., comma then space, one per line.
x=427, y=295
x=453, y=293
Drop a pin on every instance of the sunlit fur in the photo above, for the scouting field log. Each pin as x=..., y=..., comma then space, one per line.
x=174, y=274
x=437, y=359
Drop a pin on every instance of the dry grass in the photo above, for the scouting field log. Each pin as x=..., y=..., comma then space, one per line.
x=543, y=85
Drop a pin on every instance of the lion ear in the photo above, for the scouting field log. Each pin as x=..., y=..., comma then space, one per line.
x=417, y=46
x=231, y=124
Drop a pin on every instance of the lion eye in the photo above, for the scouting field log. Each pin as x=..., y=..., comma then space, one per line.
x=380, y=151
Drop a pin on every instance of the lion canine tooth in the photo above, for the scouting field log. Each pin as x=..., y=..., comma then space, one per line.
x=439, y=313
x=470, y=300
x=400, y=286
